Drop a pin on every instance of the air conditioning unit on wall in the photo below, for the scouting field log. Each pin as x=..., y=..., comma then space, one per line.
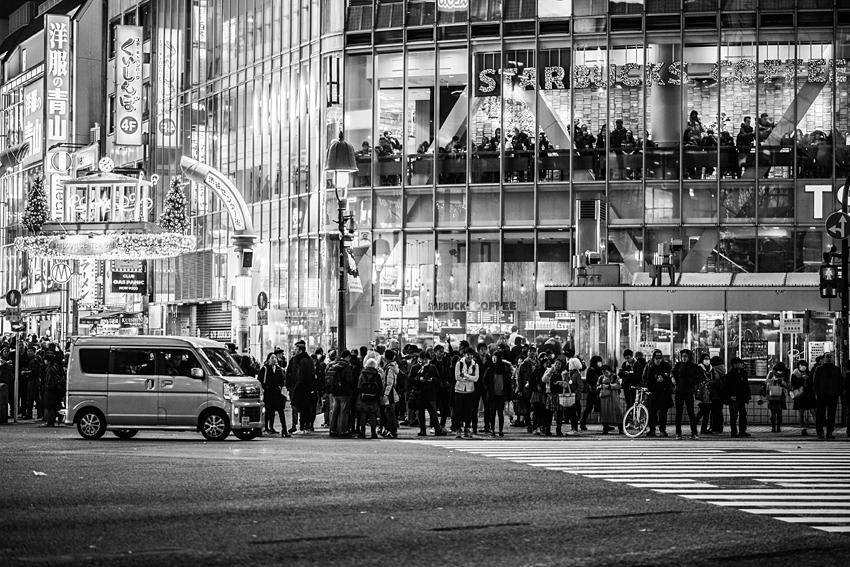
x=591, y=226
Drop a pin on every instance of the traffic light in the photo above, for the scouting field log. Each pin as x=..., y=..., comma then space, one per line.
x=828, y=281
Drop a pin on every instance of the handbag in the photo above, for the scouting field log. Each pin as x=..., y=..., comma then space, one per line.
x=797, y=393
x=604, y=393
x=567, y=400
x=537, y=398
x=774, y=390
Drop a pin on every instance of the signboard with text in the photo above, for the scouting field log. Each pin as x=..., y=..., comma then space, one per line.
x=128, y=86
x=34, y=121
x=57, y=106
x=129, y=276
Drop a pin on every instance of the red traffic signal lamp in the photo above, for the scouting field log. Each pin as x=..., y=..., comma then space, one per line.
x=829, y=281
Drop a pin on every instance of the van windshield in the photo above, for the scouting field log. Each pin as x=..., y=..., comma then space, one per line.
x=221, y=362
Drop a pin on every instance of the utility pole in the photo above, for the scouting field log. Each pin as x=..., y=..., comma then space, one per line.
x=845, y=288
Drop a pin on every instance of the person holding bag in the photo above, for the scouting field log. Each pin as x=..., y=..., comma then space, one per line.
x=775, y=387
x=572, y=386
x=272, y=380
x=703, y=395
x=610, y=411
x=553, y=381
x=466, y=375
x=390, y=397
x=803, y=395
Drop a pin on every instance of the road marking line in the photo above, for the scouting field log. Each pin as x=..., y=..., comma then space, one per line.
x=824, y=520
x=787, y=511
x=737, y=503
x=833, y=529
x=670, y=485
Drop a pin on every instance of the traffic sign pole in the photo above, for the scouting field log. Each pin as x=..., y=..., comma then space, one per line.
x=17, y=374
x=845, y=288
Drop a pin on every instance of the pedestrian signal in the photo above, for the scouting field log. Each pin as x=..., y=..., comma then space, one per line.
x=828, y=281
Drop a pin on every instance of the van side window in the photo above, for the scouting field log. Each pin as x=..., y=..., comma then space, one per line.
x=178, y=362
x=94, y=360
x=136, y=361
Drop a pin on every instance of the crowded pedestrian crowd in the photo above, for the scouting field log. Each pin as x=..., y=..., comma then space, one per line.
x=541, y=390
x=42, y=378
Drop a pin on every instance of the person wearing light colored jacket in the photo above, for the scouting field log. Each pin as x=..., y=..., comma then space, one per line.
x=389, y=397
x=466, y=375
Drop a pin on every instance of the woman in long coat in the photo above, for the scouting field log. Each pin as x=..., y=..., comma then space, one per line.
x=609, y=401
x=52, y=401
x=272, y=379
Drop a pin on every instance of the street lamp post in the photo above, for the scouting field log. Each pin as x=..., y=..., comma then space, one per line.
x=341, y=164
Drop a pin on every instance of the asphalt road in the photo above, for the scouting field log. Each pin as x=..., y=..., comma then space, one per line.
x=171, y=498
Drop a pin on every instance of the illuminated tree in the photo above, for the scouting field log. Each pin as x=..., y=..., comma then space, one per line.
x=174, y=217
x=35, y=212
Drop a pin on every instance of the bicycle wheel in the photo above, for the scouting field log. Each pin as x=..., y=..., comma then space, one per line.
x=636, y=421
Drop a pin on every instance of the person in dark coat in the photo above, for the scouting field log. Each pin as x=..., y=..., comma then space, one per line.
x=423, y=382
x=594, y=374
x=342, y=385
x=630, y=374
x=736, y=390
x=52, y=400
x=828, y=385
x=272, y=380
x=805, y=403
x=657, y=379
x=686, y=376
x=302, y=377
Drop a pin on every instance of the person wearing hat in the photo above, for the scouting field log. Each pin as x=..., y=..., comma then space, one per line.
x=736, y=387
x=424, y=379
x=657, y=380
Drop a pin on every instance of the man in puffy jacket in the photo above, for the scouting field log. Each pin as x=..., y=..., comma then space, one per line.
x=828, y=385
x=656, y=378
x=736, y=389
x=466, y=376
x=342, y=384
x=686, y=374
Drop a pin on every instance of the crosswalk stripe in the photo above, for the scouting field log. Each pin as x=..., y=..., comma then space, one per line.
x=806, y=486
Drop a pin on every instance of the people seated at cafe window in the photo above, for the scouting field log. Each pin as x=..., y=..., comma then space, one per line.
x=423, y=147
x=365, y=150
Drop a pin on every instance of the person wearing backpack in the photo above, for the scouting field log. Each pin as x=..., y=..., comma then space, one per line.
x=342, y=383
x=775, y=387
x=390, y=397
x=370, y=387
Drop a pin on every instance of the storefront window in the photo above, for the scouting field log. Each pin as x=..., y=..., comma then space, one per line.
x=814, y=87
x=485, y=277
x=386, y=280
x=554, y=251
x=388, y=208
x=420, y=117
x=485, y=117
x=421, y=12
x=590, y=79
x=453, y=137
x=625, y=156
x=452, y=12
x=664, y=103
x=389, y=75
x=520, y=86
x=553, y=115
x=418, y=280
x=358, y=114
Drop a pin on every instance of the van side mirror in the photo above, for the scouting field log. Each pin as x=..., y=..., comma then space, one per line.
x=197, y=373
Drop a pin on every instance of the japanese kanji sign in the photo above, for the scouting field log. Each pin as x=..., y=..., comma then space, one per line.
x=57, y=105
x=34, y=121
x=128, y=86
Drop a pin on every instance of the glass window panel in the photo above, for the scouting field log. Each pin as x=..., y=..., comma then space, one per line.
x=662, y=203
x=451, y=267
x=518, y=205
x=737, y=203
x=625, y=159
x=419, y=206
x=590, y=92
x=519, y=269
x=625, y=247
x=418, y=279
x=485, y=117
x=485, y=10
x=421, y=12
x=736, y=250
x=452, y=12
x=452, y=137
x=387, y=208
x=775, y=249
x=389, y=75
x=842, y=116
x=386, y=280
x=520, y=88
x=484, y=205
x=775, y=125
x=776, y=203
x=626, y=204
x=485, y=266
x=553, y=205
x=553, y=115
x=663, y=101
x=554, y=8
x=451, y=206
x=419, y=117
x=814, y=101
x=360, y=203
x=699, y=203
x=358, y=114
x=809, y=249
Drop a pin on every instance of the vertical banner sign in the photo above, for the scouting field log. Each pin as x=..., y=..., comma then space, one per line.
x=166, y=86
x=128, y=86
x=34, y=121
x=57, y=106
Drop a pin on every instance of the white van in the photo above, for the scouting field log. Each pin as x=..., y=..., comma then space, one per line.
x=127, y=383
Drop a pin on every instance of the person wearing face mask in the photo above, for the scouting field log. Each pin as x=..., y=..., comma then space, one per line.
x=736, y=389
x=805, y=402
x=703, y=394
x=715, y=388
x=594, y=373
x=656, y=378
x=775, y=388
x=686, y=374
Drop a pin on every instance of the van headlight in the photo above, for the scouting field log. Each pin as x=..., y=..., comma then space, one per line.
x=231, y=391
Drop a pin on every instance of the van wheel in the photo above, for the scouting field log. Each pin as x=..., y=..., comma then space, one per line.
x=215, y=427
x=91, y=424
x=246, y=434
x=125, y=433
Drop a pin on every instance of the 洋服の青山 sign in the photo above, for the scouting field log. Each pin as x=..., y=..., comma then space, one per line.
x=745, y=71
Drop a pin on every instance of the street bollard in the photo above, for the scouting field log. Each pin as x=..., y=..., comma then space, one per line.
x=4, y=403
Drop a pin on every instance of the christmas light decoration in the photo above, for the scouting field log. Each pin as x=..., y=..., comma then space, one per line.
x=624, y=75
x=106, y=246
x=174, y=218
x=817, y=72
x=749, y=78
x=35, y=212
x=771, y=69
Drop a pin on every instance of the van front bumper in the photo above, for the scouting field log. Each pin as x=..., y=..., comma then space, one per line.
x=247, y=415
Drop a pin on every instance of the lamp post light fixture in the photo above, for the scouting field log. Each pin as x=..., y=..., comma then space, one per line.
x=341, y=164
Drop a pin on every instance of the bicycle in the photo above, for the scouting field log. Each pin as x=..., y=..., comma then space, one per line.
x=636, y=419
